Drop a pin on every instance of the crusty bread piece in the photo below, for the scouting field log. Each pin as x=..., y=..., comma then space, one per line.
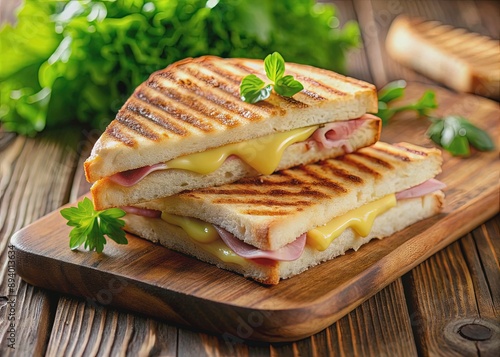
x=405, y=213
x=164, y=183
x=270, y=211
x=462, y=60
x=194, y=105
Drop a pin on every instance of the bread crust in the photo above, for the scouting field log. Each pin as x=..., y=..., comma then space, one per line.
x=194, y=105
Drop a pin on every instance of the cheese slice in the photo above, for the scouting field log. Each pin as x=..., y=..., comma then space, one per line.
x=360, y=220
x=263, y=154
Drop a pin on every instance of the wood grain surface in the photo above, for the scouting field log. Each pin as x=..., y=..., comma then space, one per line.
x=400, y=320
x=151, y=280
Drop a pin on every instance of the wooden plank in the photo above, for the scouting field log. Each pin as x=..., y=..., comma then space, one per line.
x=455, y=295
x=87, y=328
x=30, y=187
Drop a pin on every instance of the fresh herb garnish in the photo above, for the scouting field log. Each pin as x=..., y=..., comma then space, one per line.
x=395, y=90
x=91, y=226
x=453, y=133
x=254, y=89
x=456, y=134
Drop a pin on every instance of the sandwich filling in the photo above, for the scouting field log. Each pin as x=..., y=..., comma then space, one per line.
x=228, y=248
x=262, y=154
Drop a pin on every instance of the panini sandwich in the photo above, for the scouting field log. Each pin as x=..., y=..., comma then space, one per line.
x=186, y=128
x=273, y=227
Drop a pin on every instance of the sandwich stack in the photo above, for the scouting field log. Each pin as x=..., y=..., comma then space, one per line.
x=267, y=190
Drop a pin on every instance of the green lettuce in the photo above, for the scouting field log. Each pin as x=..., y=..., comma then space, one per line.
x=69, y=62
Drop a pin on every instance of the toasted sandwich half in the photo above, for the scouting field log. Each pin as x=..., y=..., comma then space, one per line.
x=186, y=128
x=273, y=227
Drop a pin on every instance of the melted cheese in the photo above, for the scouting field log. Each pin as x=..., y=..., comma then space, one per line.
x=205, y=236
x=197, y=229
x=360, y=220
x=263, y=154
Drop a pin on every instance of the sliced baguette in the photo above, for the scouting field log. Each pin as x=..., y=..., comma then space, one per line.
x=405, y=213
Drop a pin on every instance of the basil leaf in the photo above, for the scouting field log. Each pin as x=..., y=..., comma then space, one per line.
x=288, y=86
x=455, y=134
x=477, y=138
x=391, y=91
x=254, y=89
x=274, y=65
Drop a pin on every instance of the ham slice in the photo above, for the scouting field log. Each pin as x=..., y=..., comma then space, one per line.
x=289, y=252
x=335, y=135
x=150, y=213
x=131, y=177
x=424, y=188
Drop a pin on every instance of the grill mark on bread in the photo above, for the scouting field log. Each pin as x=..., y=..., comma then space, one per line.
x=233, y=104
x=149, y=115
x=349, y=160
x=263, y=201
x=390, y=152
x=221, y=82
x=115, y=132
x=346, y=175
x=175, y=112
x=129, y=120
x=274, y=212
x=413, y=151
x=315, y=177
x=373, y=159
x=315, y=83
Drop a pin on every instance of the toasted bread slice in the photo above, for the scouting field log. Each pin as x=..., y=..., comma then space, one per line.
x=107, y=193
x=405, y=213
x=270, y=211
x=194, y=105
x=462, y=60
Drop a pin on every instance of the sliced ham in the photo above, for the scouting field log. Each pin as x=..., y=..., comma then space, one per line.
x=335, y=135
x=289, y=252
x=424, y=188
x=131, y=177
x=150, y=213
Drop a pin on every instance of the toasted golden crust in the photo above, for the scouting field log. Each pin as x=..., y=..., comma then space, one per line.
x=194, y=105
x=271, y=211
x=460, y=59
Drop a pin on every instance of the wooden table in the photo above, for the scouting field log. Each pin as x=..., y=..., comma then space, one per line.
x=418, y=313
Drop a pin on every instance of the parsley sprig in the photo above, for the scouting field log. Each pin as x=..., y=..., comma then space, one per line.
x=90, y=226
x=453, y=133
x=254, y=89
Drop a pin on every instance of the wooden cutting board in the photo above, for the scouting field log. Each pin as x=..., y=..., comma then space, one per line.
x=154, y=281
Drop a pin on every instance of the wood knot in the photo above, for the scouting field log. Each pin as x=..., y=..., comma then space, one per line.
x=475, y=332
